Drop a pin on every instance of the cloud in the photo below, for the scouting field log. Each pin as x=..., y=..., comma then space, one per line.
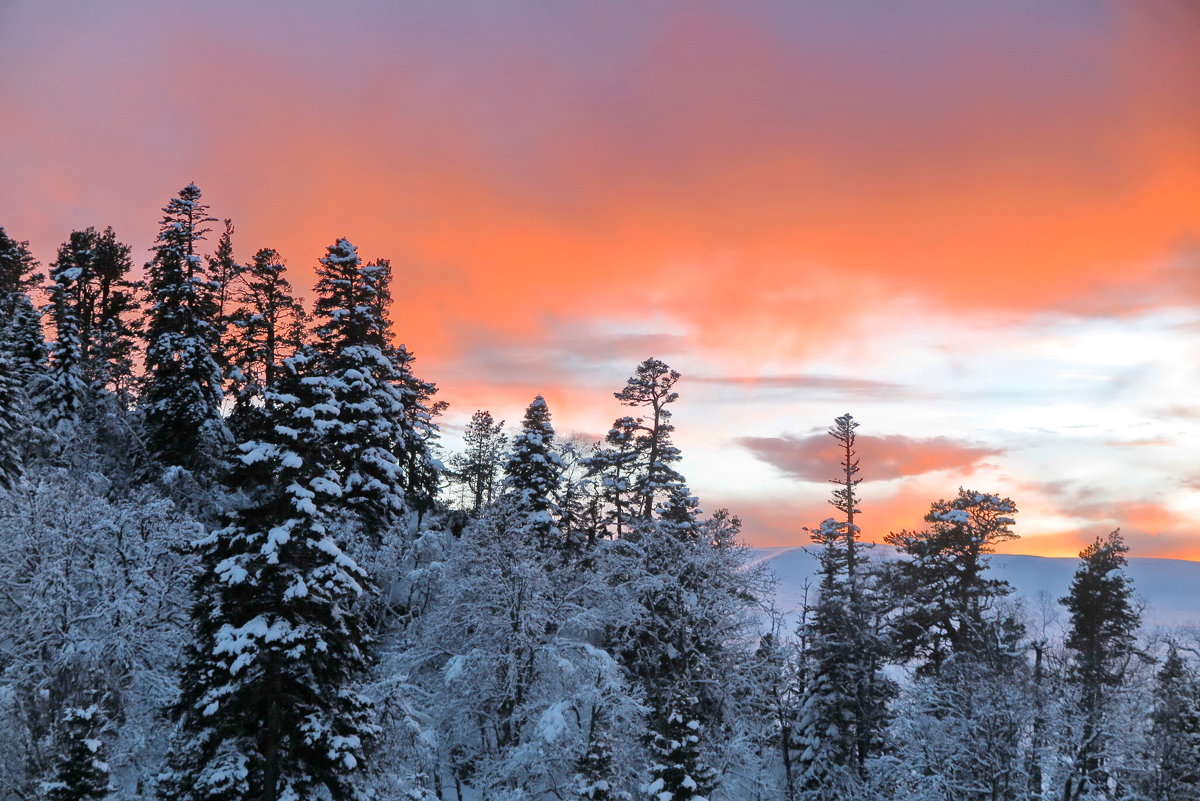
x=815, y=457
x=834, y=385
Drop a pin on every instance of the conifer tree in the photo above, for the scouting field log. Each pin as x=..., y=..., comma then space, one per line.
x=25, y=342
x=269, y=707
x=1175, y=731
x=478, y=467
x=1101, y=641
x=595, y=769
x=18, y=272
x=845, y=696
x=266, y=327
x=379, y=440
x=182, y=396
x=82, y=774
x=947, y=600
x=533, y=473
x=12, y=420
x=110, y=328
x=678, y=771
x=62, y=399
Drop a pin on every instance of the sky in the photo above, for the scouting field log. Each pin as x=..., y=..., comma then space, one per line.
x=973, y=225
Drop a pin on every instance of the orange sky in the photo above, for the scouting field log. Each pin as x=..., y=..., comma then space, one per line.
x=751, y=189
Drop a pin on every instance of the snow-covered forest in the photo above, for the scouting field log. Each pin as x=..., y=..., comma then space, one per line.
x=237, y=562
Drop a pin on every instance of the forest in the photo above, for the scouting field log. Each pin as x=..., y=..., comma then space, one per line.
x=237, y=562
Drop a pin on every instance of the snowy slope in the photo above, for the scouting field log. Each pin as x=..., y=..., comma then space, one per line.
x=1170, y=588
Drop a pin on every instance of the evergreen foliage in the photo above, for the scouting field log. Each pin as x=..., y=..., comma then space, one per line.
x=478, y=467
x=948, y=602
x=1101, y=641
x=532, y=475
x=82, y=773
x=269, y=707
x=181, y=401
x=379, y=437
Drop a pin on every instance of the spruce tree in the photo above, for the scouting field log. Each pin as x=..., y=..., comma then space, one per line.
x=18, y=272
x=595, y=768
x=379, y=439
x=25, y=342
x=62, y=399
x=678, y=771
x=182, y=396
x=12, y=419
x=266, y=327
x=81, y=774
x=269, y=708
x=1175, y=731
x=478, y=467
x=109, y=329
x=845, y=695
x=1101, y=641
x=533, y=474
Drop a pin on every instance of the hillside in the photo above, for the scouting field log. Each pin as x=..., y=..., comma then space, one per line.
x=1170, y=588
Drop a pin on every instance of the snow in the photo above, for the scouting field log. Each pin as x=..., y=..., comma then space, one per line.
x=1170, y=587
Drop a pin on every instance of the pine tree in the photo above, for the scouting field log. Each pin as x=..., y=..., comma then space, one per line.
x=846, y=696
x=678, y=771
x=635, y=469
x=652, y=388
x=266, y=327
x=18, y=272
x=379, y=440
x=478, y=467
x=595, y=769
x=82, y=773
x=1175, y=732
x=12, y=419
x=62, y=399
x=25, y=342
x=947, y=600
x=269, y=707
x=110, y=327
x=1101, y=641
x=182, y=397
x=533, y=474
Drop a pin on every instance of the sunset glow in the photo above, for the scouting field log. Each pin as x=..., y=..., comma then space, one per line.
x=972, y=225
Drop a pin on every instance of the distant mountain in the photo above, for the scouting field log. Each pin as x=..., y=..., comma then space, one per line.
x=1170, y=588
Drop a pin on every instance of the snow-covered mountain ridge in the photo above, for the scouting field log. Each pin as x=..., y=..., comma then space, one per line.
x=1170, y=588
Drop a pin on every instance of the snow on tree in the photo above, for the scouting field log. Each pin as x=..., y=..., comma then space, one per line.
x=478, y=468
x=947, y=600
x=269, y=706
x=845, y=701
x=265, y=327
x=1175, y=733
x=82, y=774
x=65, y=392
x=678, y=771
x=532, y=476
x=379, y=439
x=17, y=271
x=506, y=658
x=181, y=401
x=1101, y=641
x=91, y=612
x=14, y=415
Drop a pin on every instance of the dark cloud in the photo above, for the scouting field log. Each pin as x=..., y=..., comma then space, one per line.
x=815, y=457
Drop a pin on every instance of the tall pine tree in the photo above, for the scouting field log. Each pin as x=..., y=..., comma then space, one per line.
x=269, y=708
x=379, y=438
x=846, y=694
x=1101, y=641
x=182, y=396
